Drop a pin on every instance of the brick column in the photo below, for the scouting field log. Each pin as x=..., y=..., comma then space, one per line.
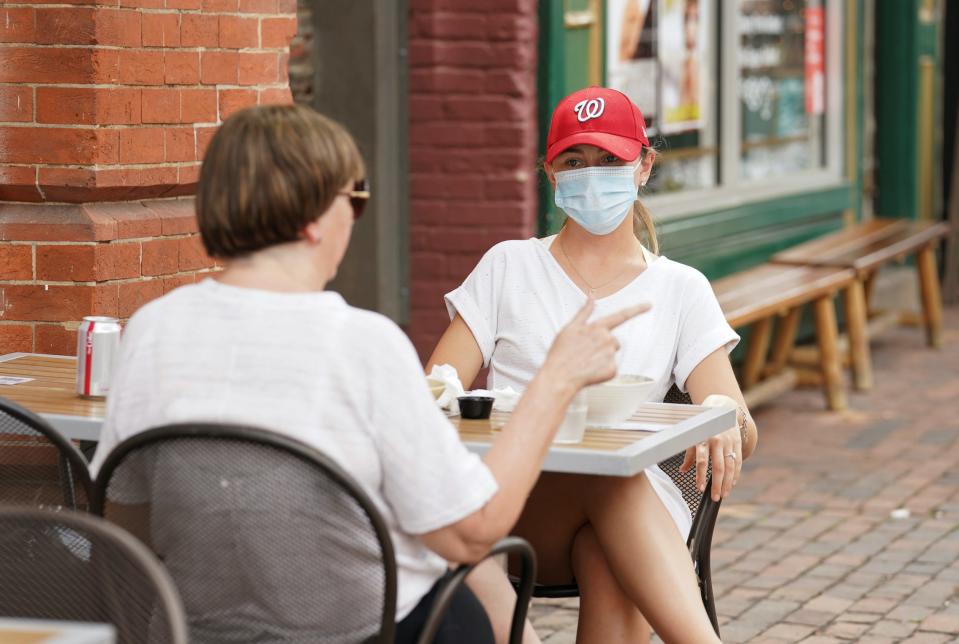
x=115, y=104
x=473, y=143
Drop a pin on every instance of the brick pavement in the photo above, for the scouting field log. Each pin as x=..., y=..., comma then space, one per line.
x=806, y=550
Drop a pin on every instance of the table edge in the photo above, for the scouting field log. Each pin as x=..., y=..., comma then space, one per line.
x=636, y=457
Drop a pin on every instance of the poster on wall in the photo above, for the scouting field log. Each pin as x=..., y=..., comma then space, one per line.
x=656, y=53
x=632, y=64
x=682, y=43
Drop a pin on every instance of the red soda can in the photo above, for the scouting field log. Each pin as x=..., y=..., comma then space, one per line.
x=98, y=342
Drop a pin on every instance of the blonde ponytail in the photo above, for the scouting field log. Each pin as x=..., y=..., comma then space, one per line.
x=643, y=227
x=643, y=220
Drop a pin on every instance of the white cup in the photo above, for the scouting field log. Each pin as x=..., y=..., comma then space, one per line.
x=573, y=427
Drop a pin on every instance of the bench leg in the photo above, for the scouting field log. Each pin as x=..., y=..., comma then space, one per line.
x=756, y=352
x=827, y=337
x=931, y=296
x=869, y=286
x=786, y=329
x=857, y=323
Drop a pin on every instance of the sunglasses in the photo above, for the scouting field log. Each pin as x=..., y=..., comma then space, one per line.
x=359, y=195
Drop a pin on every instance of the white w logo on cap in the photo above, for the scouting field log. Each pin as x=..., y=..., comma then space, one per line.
x=589, y=108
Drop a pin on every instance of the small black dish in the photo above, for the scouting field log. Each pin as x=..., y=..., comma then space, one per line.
x=475, y=407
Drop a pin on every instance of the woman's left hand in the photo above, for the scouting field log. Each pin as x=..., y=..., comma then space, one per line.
x=726, y=451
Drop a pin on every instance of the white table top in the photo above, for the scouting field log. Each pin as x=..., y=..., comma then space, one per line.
x=614, y=451
x=51, y=393
x=604, y=451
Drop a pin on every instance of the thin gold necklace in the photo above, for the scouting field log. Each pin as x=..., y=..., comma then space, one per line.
x=592, y=289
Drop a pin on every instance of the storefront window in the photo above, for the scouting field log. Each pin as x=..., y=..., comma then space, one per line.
x=739, y=95
x=662, y=54
x=781, y=87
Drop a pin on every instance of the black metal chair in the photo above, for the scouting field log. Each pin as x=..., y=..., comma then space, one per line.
x=266, y=538
x=704, y=512
x=70, y=566
x=38, y=466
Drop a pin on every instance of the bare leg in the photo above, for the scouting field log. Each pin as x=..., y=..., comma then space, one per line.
x=648, y=558
x=642, y=547
x=490, y=584
x=606, y=614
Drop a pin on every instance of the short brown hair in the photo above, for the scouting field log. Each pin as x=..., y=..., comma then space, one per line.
x=268, y=172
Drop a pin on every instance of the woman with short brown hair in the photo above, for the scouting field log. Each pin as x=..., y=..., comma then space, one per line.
x=263, y=343
x=269, y=174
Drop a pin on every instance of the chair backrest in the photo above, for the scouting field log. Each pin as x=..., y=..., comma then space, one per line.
x=266, y=538
x=38, y=466
x=685, y=481
x=704, y=511
x=69, y=566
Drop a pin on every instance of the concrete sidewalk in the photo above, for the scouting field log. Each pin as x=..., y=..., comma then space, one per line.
x=806, y=549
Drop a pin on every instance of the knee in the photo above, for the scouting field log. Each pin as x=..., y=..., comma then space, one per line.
x=599, y=588
x=588, y=560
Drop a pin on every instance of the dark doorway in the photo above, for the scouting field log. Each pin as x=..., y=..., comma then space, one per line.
x=360, y=79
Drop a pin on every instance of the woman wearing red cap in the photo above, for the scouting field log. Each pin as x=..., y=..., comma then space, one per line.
x=623, y=540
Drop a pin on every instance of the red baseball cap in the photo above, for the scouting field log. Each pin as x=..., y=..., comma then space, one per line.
x=597, y=116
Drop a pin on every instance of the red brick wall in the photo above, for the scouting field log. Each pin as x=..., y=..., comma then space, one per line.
x=69, y=261
x=473, y=143
x=115, y=103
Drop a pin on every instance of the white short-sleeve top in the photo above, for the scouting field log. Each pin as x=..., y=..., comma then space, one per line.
x=342, y=380
x=518, y=298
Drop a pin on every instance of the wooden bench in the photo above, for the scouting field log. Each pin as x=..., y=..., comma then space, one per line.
x=772, y=293
x=864, y=248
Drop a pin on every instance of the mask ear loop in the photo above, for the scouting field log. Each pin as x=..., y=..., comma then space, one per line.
x=636, y=167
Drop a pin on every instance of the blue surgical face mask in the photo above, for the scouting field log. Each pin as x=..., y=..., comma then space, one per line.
x=597, y=198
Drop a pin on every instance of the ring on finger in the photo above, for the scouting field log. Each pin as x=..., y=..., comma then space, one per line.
x=731, y=455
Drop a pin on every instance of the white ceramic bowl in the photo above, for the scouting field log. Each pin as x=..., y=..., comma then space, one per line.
x=616, y=400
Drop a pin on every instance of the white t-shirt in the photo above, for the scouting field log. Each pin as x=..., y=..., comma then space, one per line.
x=518, y=298
x=342, y=380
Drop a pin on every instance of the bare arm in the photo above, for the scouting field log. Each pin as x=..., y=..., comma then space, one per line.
x=459, y=348
x=582, y=354
x=714, y=375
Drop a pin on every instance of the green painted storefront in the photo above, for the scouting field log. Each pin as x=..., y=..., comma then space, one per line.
x=723, y=239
